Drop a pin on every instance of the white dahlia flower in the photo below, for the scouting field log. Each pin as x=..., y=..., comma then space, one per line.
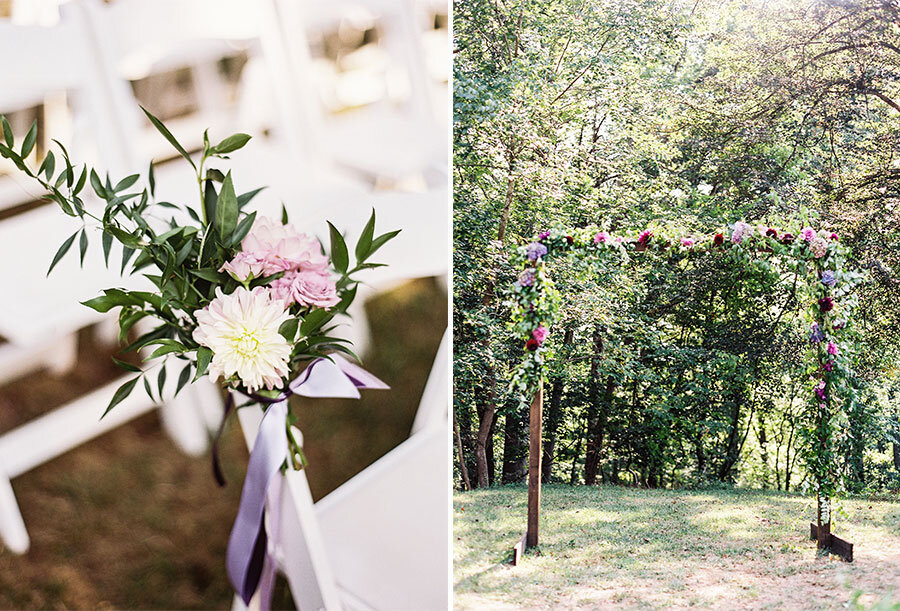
x=241, y=329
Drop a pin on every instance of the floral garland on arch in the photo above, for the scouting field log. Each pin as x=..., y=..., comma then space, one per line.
x=248, y=301
x=819, y=260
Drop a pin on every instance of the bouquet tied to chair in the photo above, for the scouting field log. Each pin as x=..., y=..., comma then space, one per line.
x=244, y=299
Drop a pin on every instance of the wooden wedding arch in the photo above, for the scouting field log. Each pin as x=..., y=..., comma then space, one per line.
x=821, y=271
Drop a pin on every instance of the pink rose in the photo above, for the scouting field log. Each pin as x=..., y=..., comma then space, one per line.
x=247, y=266
x=540, y=334
x=307, y=288
x=808, y=234
x=687, y=242
x=832, y=348
x=283, y=248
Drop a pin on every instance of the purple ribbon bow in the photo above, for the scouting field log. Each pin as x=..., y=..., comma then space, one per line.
x=247, y=544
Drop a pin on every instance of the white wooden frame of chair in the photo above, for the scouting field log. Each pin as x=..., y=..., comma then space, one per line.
x=404, y=43
x=332, y=532
x=66, y=427
x=131, y=21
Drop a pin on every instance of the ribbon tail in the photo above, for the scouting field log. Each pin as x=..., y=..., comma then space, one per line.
x=247, y=544
x=359, y=376
x=216, y=466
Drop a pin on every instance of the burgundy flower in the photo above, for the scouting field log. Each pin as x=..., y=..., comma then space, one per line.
x=645, y=237
x=719, y=239
x=829, y=365
x=826, y=304
x=570, y=239
x=771, y=233
x=834, y=236
x=532, y=344
x=787, y=239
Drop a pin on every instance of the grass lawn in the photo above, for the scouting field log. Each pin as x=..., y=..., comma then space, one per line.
x=615, y=547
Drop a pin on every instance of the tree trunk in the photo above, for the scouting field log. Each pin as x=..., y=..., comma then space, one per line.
x=896, y=456
x=467, y=485
x=573, y=476
x=763, y=450
x=482, y=441
x=515, y=447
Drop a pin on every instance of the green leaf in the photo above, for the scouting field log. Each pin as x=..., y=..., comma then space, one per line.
x=339, y=256
x=128, y=321
x=288, y=329
x=314, y=320
x=151, y=178
x=347, y=299
x=208, y=273
x=147, y=387
x=7, y=132
x=214, y=174
x=230, y=144
x=168, y=136
x=244, y=198
x=209, y=200
x=365, y=239
x=30, y=139
x=121, y=394
x=126, y=255
x=382, y=240
x=167, y=346
x=226, y=209
x=97, y=185
x=106, y=239
x=242, y=230
x=161, y=380
x=126, y=182
x=48, y=165
x=126, y=366
x=62, y=251
x=184, y=252
x=204, y=356
x=183, y=378
x=81, y=180
x=83, y=245
x=284, y=215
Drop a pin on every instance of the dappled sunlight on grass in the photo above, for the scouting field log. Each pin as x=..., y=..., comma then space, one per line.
x=612, y=546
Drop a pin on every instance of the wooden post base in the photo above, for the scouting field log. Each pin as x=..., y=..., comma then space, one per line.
x=518, y=550
x=836, y=545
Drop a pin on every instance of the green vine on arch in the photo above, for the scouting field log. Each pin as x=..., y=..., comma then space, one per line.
x=820, y=267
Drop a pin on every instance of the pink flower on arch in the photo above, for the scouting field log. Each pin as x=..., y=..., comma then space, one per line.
x=540, y=334
x=807, y=234
x=832, y=348
x=687, y=242
x=601, y=238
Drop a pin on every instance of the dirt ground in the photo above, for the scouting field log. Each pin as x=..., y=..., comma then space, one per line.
x=127, y=521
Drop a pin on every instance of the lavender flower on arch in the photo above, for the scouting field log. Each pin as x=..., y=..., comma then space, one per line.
x=829, y=278
x=535, y=251
x=526, y=278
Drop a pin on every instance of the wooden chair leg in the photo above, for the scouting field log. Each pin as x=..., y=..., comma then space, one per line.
x=12, y=527
x=65, y=354
x=183, y=422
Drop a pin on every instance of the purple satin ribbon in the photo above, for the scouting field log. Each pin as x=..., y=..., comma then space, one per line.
x=247, y=544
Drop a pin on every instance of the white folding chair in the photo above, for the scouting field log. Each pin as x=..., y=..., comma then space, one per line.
x=379, y=141
x=40, y=318
x=380, y=540
x=135, y=39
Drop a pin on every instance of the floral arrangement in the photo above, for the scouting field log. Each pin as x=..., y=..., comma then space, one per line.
x=246, y=300
x=816, y=257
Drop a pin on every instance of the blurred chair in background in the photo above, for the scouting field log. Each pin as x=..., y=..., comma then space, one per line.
x=41, y=317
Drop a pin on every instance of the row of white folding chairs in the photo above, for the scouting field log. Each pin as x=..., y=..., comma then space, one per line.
x=27, y=336
x=380, y=540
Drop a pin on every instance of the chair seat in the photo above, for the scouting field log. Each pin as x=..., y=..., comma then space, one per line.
x=41, y=306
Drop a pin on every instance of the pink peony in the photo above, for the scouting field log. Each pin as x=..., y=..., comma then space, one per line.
x=540, y=334
x=687, y=242
x=807, y=234
x=307, y=288
x=601, y=238
x=283, y=248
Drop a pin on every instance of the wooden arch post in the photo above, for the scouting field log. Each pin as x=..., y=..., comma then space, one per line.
x=535, y=424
